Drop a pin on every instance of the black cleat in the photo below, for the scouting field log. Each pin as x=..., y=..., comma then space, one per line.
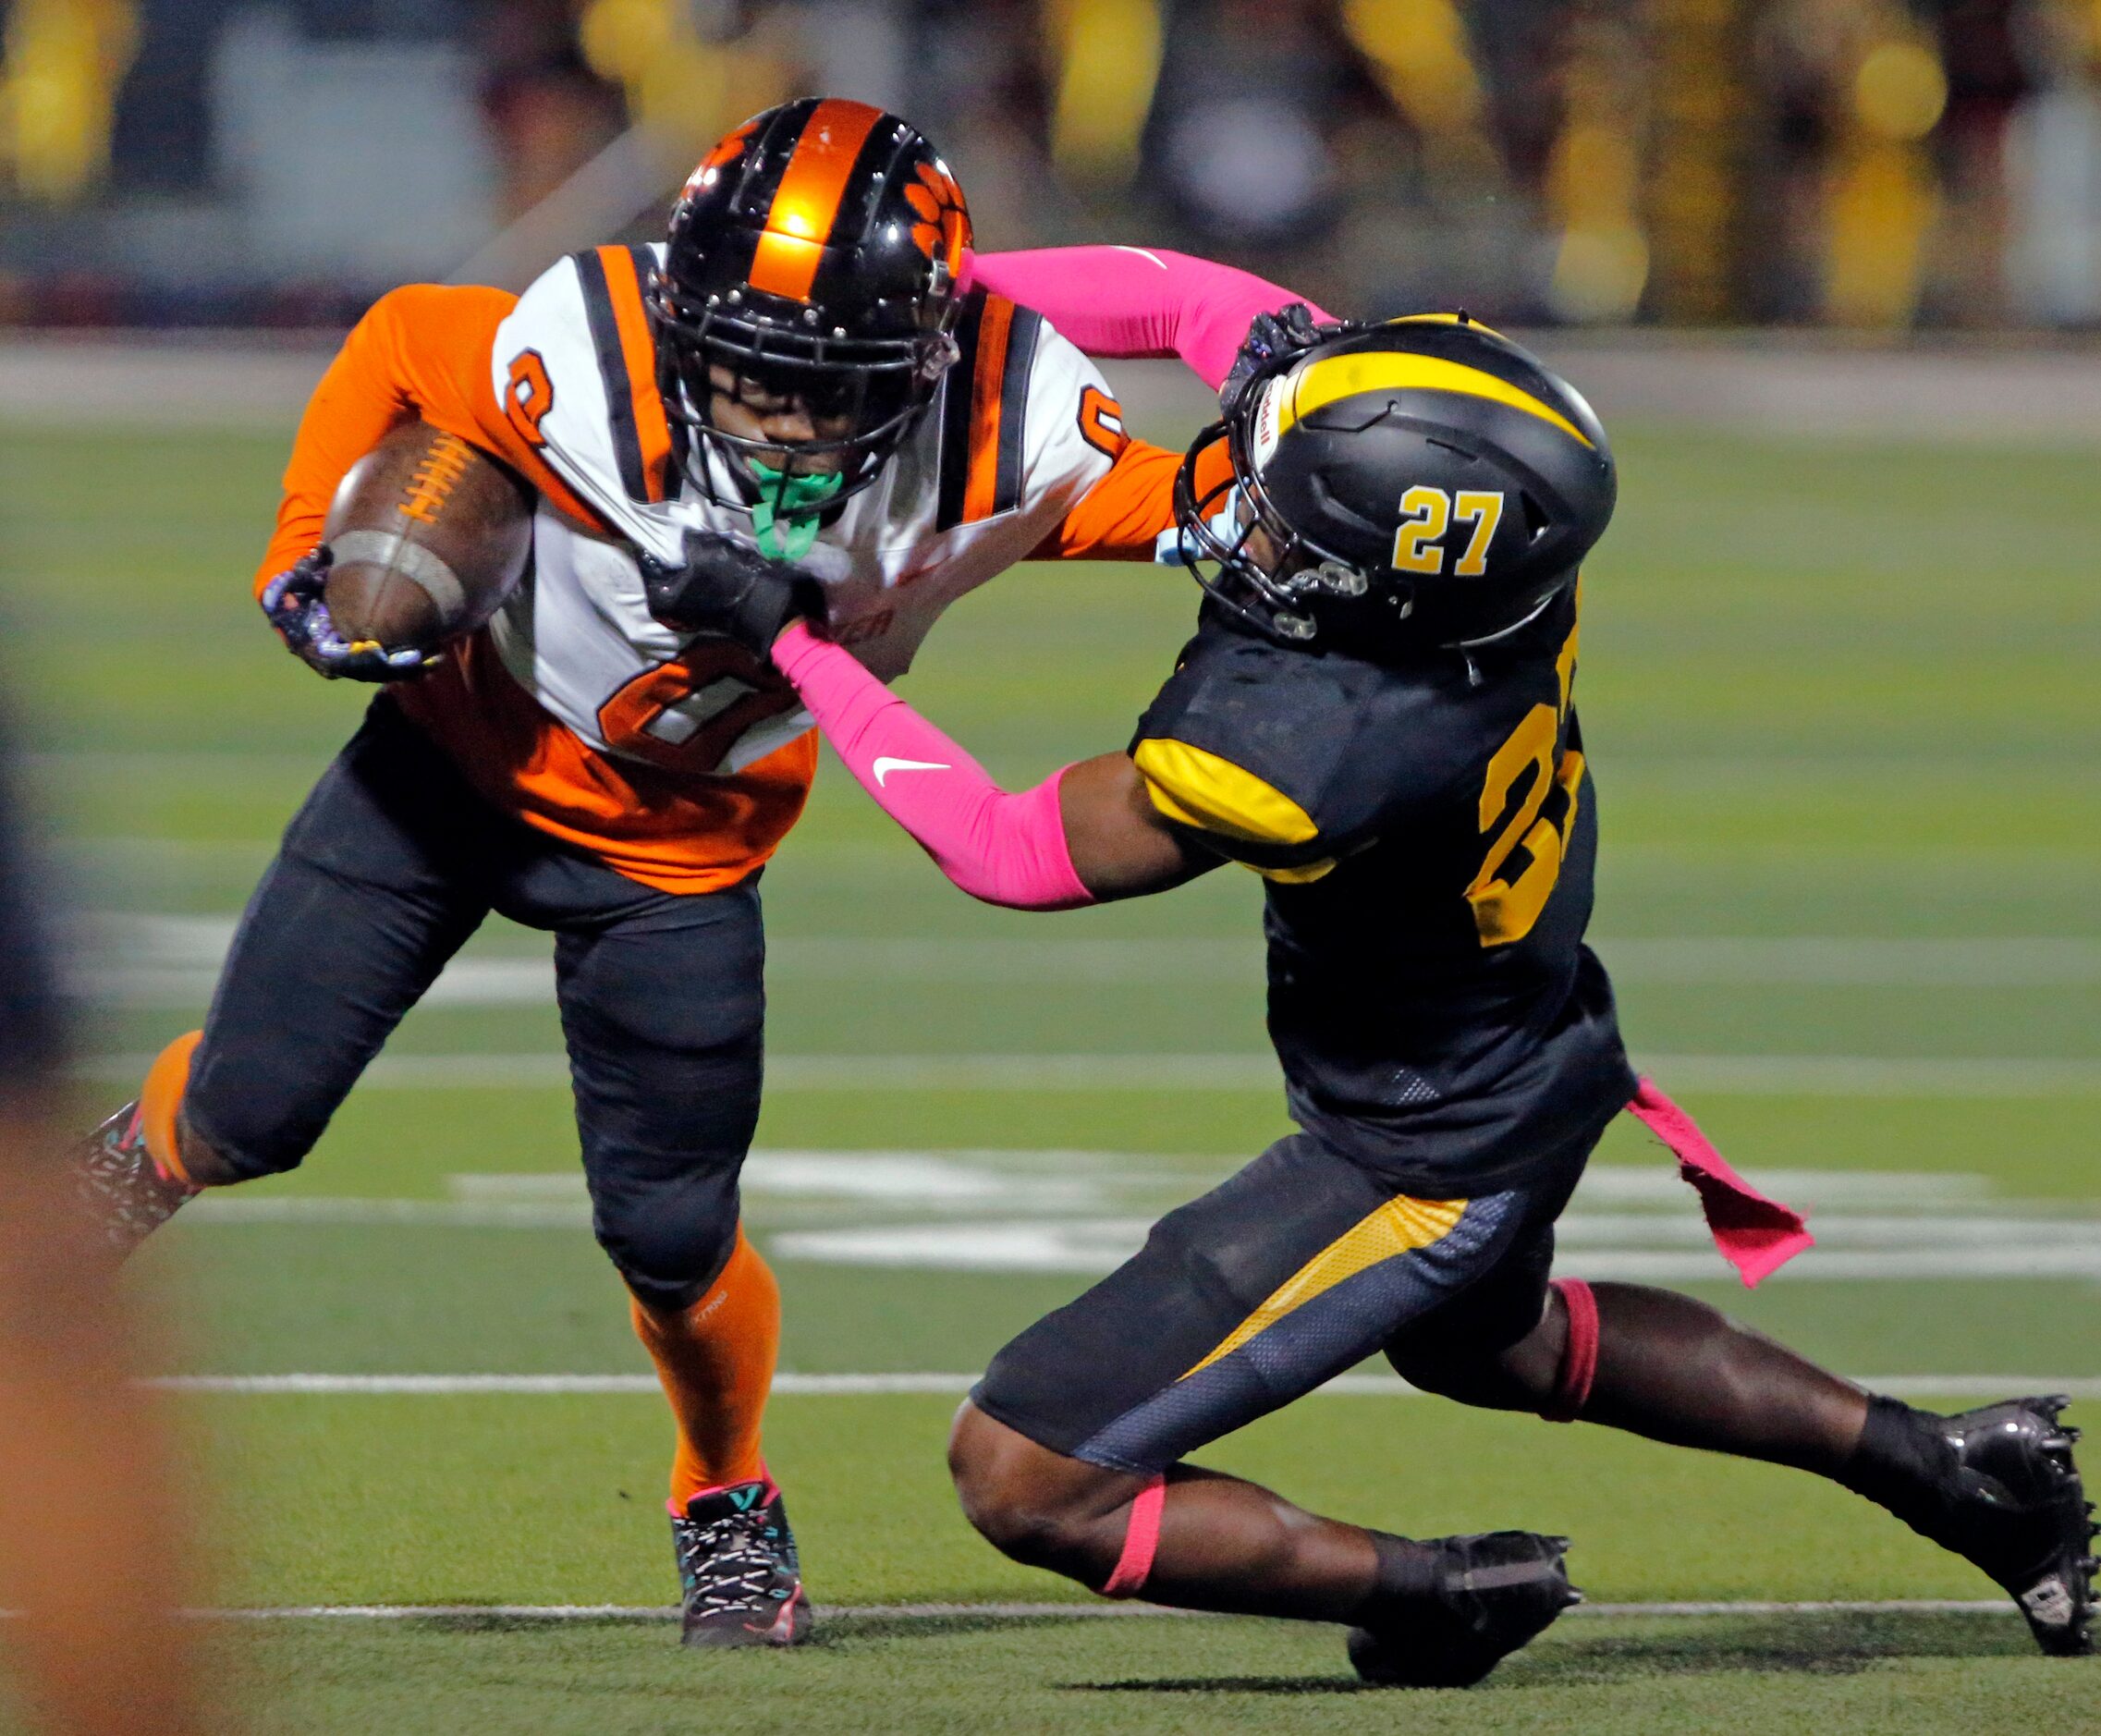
x=118, y=1185
x=1495, y=1591
x=740, y=1578
x=2012, y=1503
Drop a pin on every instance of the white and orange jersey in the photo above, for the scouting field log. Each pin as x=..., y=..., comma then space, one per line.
x=680, y=761
x=1020, y=429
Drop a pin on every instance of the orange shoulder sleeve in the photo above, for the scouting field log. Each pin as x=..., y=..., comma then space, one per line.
x=1121, y=517
x=423, y=350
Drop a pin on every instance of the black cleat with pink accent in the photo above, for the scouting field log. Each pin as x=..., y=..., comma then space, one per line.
x=1488, y=1596
x=739, y=1577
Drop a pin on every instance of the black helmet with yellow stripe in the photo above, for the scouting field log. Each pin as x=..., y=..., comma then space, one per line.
x=1422, y=481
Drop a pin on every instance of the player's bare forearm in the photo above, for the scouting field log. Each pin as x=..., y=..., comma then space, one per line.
x=1121, y=847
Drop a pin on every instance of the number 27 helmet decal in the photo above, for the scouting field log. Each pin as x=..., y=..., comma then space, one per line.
x=1422, y=482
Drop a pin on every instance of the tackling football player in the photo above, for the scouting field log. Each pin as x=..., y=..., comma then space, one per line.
x=1378, y=715
x=799, y=374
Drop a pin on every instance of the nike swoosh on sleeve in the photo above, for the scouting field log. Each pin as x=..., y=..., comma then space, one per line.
x=886, y=765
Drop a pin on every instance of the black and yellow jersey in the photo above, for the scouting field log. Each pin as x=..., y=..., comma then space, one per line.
x=1428, y=836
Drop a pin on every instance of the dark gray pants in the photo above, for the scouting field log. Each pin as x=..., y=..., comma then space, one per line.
x=1279, y=1279
x=391, y=864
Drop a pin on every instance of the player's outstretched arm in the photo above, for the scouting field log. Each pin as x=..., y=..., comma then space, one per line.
x=1139, y=301
x=1083, y=835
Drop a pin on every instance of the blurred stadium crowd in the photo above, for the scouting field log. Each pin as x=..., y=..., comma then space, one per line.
x=1862, y=163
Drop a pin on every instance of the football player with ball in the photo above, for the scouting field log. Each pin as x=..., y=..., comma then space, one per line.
x=500, y=508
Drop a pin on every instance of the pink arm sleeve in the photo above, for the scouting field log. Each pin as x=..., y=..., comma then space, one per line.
x=1137, y=301
x=1004, y=848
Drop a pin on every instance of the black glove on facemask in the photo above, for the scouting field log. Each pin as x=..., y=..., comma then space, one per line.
x=725, y=586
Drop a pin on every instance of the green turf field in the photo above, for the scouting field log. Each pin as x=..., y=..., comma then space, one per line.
x=1839, y=702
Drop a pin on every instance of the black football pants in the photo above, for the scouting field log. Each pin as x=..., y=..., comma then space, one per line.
x=1278, y=1280
x=391, y=864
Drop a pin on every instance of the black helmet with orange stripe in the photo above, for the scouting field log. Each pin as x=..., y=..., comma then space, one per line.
x=1422, y=481
x=815, y=254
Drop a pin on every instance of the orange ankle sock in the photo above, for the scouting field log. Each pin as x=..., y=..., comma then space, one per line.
x=160, y=1097
x=715, y=1360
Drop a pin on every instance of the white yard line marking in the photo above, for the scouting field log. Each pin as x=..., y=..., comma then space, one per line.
x=1814, y=1607
x=1625, y=1201
x=1046, y=1611
x=964, y=1174
x=1039, y=1179
x=1084, y=1213
x=1805, y=960
x=1876, y=1076
x=235, y=1210
x=541, y=1386
x=1911, y=1189
x=807, y=1386
x=1719, y=1075
x=172, y=960
x=1056, y=1241
x=1644, y=1248
x=823, y=1072
x=465, y=982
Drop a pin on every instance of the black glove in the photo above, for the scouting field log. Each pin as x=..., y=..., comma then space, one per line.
x=724, y=586
x=1289, y=330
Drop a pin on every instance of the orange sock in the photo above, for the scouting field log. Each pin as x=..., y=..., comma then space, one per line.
x=715, y=1360
x=160, y=1097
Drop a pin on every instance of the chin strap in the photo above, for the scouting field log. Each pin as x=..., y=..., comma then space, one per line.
x=784, y=518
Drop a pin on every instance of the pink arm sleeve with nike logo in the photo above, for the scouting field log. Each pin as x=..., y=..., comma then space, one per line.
x=1004, y=848
x=1138, y=301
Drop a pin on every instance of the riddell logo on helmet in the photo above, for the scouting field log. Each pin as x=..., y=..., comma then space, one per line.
x=1265, y=423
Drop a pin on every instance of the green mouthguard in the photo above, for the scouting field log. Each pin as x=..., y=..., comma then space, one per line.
x=785, y=516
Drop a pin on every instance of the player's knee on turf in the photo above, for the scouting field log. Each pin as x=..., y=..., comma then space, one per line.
x=1032, y=1505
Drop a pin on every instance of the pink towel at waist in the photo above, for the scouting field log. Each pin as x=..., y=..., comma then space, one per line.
x=1755, y=1234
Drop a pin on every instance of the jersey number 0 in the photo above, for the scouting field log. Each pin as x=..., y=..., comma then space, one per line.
x=685, y=716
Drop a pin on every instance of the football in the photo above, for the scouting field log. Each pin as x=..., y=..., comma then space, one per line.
x=429, y=536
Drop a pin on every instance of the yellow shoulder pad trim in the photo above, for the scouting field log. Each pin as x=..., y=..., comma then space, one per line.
x=1198, y=789
x=1375, y=371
